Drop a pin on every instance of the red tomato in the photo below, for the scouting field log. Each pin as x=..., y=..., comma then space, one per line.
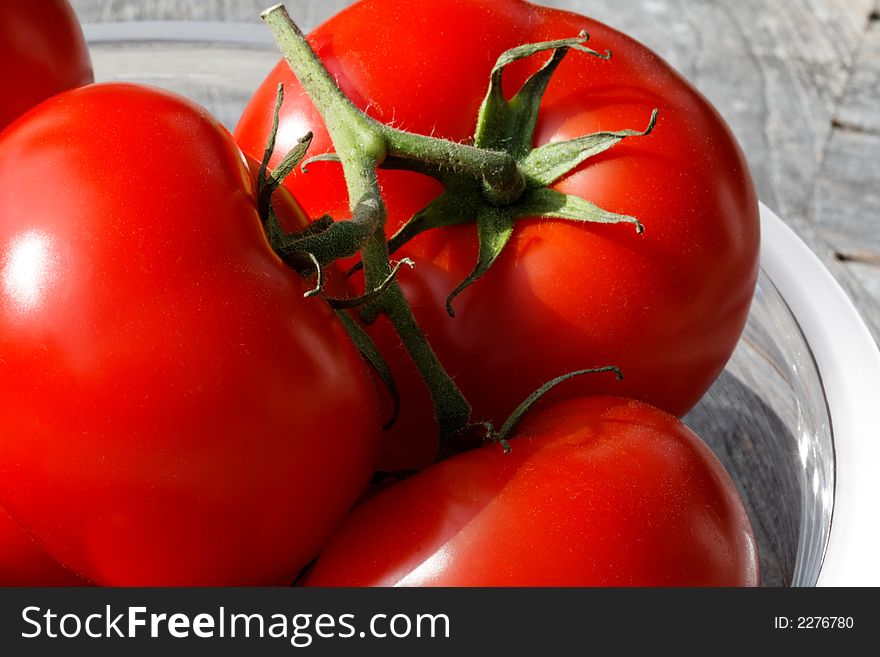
x=24, y=563
x=595, y=492
x=175, y=412
x=667, y=307
x=42, y=53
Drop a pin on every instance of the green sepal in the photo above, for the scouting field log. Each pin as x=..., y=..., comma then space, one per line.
x=274, y=234
x=546, y=164
x=509, y=125
x=454, y=206
x=372, y=295
x=494, y=228
x=317, y=227
x=325, y=157
x=520, y=411
x=263, y=198
x=550, y=204
x=290, y=161
x=268, y=182
x=288, y=246
x=370, y=353
x=335, y=239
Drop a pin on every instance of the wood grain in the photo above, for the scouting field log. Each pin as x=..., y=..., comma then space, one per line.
x=308, y=13
x=859, y=108
x=845, y=207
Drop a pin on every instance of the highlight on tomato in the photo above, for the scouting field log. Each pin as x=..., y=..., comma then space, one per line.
x=181, y=414
x=596, y=491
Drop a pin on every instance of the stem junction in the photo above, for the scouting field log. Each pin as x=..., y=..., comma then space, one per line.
x=494, y=183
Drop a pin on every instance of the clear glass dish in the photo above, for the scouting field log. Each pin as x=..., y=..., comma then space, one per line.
x=790, y=417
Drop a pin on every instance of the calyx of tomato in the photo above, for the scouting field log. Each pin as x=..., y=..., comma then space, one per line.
x=496, y=181
x=508, y=126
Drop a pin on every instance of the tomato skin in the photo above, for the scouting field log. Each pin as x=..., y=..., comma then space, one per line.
x=181, y=414
x=42, y=53
x=24, y=563
x=596, y=491
x=667, y=307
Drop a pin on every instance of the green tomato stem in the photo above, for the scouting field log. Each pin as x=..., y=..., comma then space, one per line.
x=356, y=134
x=362, y=144
x=503, y=181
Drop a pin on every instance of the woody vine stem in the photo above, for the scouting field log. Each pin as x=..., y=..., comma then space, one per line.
x=362, y=145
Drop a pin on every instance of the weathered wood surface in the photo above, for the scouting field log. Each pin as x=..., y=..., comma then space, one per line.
x=308, y=13
x=799, y=82
x=845, y=207
x=860, y=106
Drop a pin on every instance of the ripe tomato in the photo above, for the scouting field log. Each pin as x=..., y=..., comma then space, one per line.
x=174, y=411
x=42, y=53
x=595, y=492
x=24, y=563
x=667, y=307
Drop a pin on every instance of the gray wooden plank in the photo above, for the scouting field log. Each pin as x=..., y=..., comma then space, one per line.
x=846, y=205
x=308, y=13
x=93, y=11
x=868, y=276
x=213, y=76
x=860, y=105
x=842, y=270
